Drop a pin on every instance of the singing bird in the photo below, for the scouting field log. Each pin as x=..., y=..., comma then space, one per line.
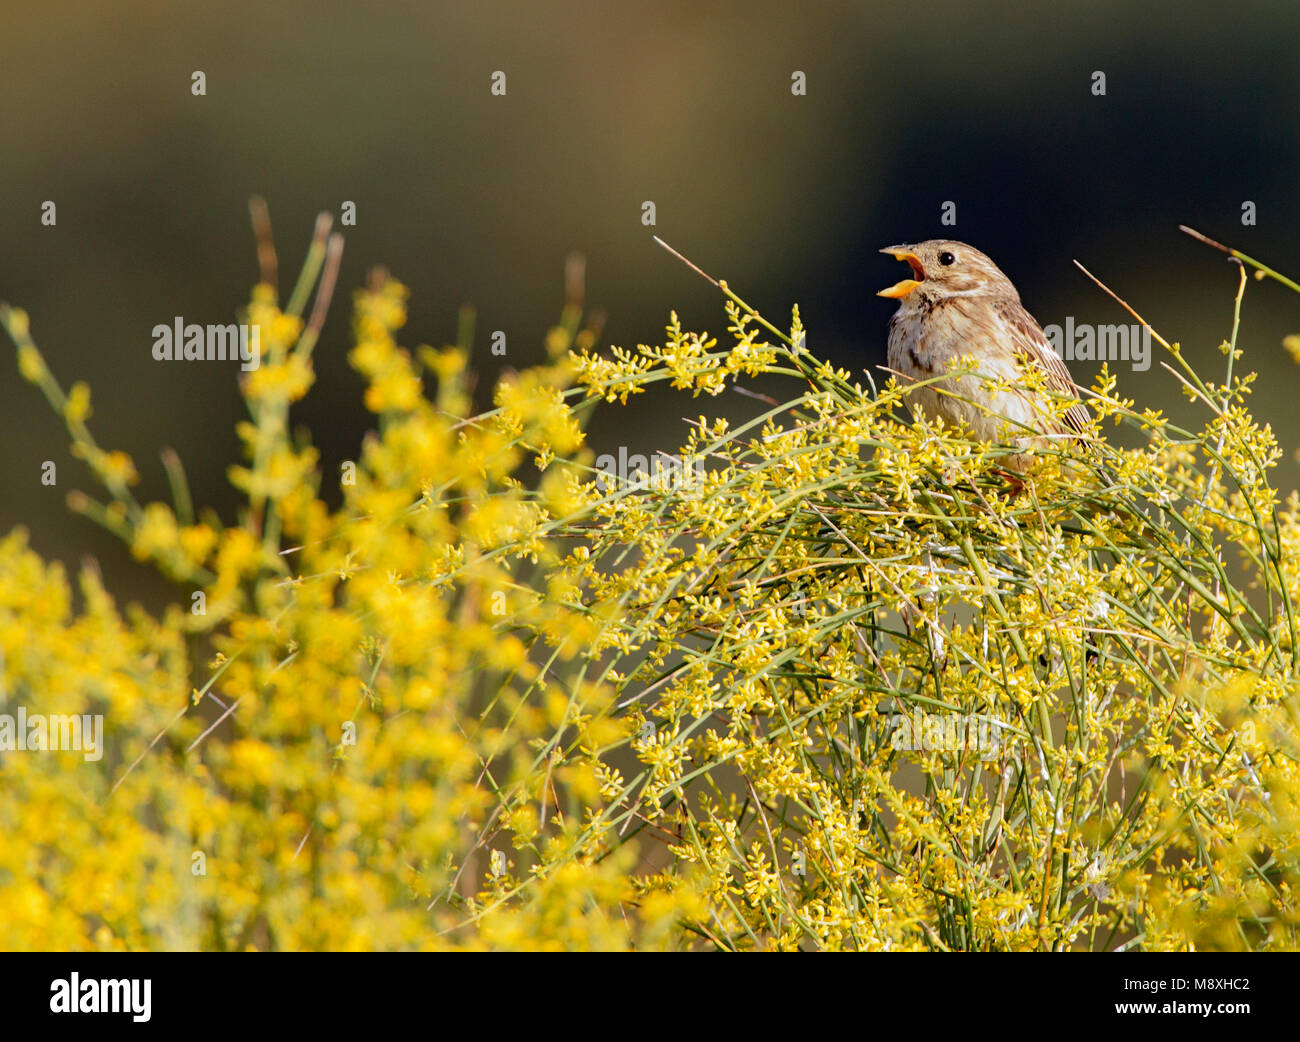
x=959, y=305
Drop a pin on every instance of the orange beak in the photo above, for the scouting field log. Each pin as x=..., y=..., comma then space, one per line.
x=902, y=289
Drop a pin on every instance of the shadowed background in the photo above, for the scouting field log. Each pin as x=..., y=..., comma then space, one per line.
x=470, y=197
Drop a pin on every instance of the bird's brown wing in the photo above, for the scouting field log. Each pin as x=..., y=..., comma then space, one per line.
x=1032, y=346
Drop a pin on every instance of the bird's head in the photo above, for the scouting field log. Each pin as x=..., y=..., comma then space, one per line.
x=947, y=268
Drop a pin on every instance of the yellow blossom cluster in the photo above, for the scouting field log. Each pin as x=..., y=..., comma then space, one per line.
x=851, y=689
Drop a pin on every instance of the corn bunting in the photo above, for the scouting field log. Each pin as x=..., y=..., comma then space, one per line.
x=957, y=305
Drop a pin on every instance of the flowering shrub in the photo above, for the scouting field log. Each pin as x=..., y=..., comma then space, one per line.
x=854, y=687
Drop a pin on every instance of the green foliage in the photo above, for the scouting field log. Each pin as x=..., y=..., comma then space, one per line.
x=835, y=682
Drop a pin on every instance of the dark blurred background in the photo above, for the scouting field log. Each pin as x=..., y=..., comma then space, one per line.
x=466, y=196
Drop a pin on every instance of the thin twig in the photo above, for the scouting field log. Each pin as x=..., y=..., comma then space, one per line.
x=215, y=723
x=324, y=293
x=1124, y=304
x=146, y=750
x=267, y=262
x=1260, y=269
x=690, y=264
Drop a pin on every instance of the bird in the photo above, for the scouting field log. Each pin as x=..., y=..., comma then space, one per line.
x=959, y=306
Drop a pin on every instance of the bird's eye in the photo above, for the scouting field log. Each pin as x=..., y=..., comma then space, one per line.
x=946, y=258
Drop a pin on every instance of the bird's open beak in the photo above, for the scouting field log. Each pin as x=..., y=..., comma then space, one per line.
x=902, y=289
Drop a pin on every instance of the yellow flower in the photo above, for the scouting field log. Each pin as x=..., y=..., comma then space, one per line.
x=289, y=380
x=77, y=407
x=157, y=534
x=116, y=468
x=31, y=364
